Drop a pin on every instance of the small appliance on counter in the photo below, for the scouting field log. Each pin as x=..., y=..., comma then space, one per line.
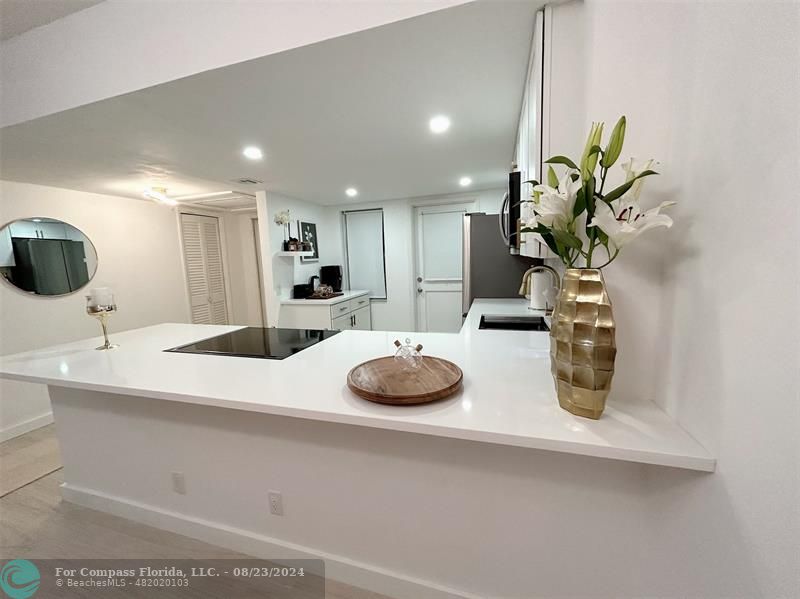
x=302, y=291
x=331, y=275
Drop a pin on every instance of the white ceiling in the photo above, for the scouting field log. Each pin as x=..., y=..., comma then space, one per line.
x=19, y=16
x=352, y=111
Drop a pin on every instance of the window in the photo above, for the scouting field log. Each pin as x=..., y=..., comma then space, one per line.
x=364, y=251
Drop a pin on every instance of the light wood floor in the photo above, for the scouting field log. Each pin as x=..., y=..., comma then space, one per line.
x=35, y=523
x=28, y=457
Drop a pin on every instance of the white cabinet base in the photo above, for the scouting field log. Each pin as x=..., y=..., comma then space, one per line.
x=351, y=311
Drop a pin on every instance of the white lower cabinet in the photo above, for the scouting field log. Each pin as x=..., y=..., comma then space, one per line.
x=346, y=314
x=362, y=319
x=342, y=323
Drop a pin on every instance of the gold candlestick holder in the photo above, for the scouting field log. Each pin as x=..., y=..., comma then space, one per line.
x=101, y=312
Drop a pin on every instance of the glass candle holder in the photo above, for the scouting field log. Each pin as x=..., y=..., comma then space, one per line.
x=101, y=306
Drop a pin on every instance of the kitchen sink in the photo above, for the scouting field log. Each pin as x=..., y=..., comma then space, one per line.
x=513, y=323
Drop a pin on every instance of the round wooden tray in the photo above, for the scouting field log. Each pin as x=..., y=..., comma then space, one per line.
x=382, y=380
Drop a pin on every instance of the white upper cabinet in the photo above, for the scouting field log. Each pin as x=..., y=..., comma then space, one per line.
x=529, y=139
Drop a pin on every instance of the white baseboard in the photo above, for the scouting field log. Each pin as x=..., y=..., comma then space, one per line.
x=339, y=568
x=25, y=427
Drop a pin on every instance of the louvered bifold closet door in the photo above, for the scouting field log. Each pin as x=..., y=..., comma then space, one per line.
x=204, y=271
x=216, y=279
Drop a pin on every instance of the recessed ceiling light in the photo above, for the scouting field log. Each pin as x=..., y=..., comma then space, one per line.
x=439, y=124
x=159, y=194
x=253, y=153
x=351, y=192
x=465, y=181
x=36, y=220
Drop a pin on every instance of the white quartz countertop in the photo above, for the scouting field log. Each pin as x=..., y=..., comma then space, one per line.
x=347, y=294
x=508, y=395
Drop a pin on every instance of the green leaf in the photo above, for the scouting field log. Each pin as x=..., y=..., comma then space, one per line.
x=580, y=204
x=614, y=147
x=595, y=150
x=552, y=178
x=533, y=182
x=548, y=238
x=561, y=160
x=588, y=196
x=551, y=242
x=618, y=192
x=567, y=239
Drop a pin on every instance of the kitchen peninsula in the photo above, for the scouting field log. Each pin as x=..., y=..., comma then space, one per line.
x=236, y=429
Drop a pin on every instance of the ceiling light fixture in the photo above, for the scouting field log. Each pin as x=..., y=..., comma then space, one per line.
x=439, y=124
x=197, y=196
x=351, y=192
x=253, y=153
x=159, y=194
x=465, y=181
x=36, y=220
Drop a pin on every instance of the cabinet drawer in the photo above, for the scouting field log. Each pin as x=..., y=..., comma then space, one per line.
x=340, y=309
x=359, y=302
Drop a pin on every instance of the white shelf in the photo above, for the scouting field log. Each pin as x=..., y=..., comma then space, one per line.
x=294, y=254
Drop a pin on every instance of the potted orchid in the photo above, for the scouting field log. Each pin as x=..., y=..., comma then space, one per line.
x=283, y=219
x=586, y=227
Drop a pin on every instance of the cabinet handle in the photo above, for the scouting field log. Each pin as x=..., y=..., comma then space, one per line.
x=343, y=309
x=362, y=302
x=353, y=320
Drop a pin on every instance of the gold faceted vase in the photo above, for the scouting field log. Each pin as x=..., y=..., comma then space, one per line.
x=582, y=348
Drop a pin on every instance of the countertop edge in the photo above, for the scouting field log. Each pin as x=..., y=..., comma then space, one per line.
x=702, y=463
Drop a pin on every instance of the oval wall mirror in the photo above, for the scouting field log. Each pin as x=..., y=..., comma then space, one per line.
x=45, y=256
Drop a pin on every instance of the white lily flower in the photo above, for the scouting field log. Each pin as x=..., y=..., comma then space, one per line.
x=630, y=222
x=529, y=223
x=554, y=206
x=632, y=170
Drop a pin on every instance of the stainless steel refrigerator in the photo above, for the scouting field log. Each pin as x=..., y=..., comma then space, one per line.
x=489, y=270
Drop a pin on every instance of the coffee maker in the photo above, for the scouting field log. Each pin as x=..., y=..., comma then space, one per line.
x=331, y=275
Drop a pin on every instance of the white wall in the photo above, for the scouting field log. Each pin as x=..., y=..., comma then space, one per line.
x=397, y=312
x=706, y=312
x=242, y=269
x=139, y=257
x=281, y=273
x=289, y=271
x=111, y=49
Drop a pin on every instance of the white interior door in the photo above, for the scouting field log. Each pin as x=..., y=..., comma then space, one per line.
x=438, y=278
x=204, y=272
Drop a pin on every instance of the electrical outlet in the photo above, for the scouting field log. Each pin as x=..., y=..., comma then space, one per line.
x=275, y=503
x=179, y=483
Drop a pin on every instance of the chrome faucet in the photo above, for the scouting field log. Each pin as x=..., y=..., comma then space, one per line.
x=526, y=277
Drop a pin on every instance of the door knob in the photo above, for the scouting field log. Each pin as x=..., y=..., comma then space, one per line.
x=419, y=289
x=419, y=279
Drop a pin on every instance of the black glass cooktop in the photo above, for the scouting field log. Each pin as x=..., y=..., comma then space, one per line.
x=256, y=342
